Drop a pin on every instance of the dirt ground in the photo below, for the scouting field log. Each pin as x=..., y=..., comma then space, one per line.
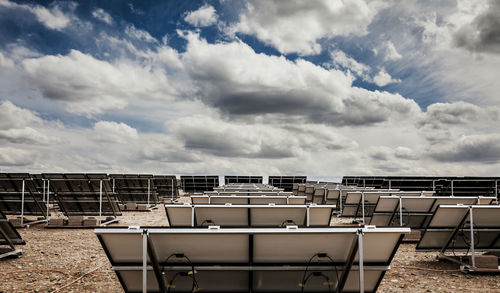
x=56, y=260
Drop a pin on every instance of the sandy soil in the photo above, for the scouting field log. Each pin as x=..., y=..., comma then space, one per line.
x=56, y=257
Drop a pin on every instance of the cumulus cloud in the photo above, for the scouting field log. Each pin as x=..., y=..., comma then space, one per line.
x=482, y=34
x=383, y=78
x=26, y=135
x=53, y=18
x=90, y=86
x=458, y=113
x=16, y=157
x=138, y=34
x=238, y=81
x=483, y=148
x=221, y=138
x=297, y=26
x=204, y=16
x=102, y=15
x=113, y=132
x=12, y=116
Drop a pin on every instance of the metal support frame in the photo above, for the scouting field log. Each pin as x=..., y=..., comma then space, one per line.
x=100, y=201
x=496, y=189
x=400, y=211
x=149, y=190
x=452, y=194
x=473, y=254
x=362, y=206
x=22, y=204
x=48, y=198
x=308, y=215
x=144, y=261
x=360, y=260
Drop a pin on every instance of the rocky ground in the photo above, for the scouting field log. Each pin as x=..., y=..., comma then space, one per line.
x=72, y=260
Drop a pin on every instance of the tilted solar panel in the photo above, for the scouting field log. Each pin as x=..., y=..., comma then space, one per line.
x=250, y=260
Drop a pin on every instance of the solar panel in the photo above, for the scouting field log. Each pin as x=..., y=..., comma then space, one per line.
x=10, y=237
x=80, y=194
x=253, y=199
x=191, y=184
x=166, y=186
x=134, y=188
x=251, y=260
x=19, y=196
x=248, y=215
x=444, y=186
x=242, y=179
x=415, y=211
x=249, y=193
x=286, y=182
x=247, y=187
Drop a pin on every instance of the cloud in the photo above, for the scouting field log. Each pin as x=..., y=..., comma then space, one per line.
x=241, y=83
x=138, y=34
x=225, y=139
x=102, y=15
x=482, y=34
x=339, y=58
x=112, y=132
x=12, y=116
x=5, y=62
x=91, y=86
x=484, y=148
x=458, y=113
x=383, y=78
x=297, y=27
x=53, y=18
x=204, y=16
x=26, y=135
x=391, y=53
x=16, y=157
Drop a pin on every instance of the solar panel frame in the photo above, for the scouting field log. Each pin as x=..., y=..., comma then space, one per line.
x=188, y=215
x=12, y=199
x=420, y=216
x=135, y=188
x=251, y=199
x=252, y=267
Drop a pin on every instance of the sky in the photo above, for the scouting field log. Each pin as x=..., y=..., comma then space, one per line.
x=317, y=88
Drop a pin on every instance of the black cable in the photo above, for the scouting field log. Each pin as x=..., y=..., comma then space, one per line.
x=207, y=222
x=319, y=255
x=195, y=287
x=317, y=274
x=285, y=222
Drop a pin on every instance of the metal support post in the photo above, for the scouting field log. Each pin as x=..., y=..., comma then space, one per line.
x=43, y=191
x=22, y=204
x=100, y=201
x=308, y=215
x=390, y=184
x=149, y=190
x=471, y=219
x=48, y=197
x=452, y=188
x=496, y=189
x=144, y=261
x=363, y=206
x=400, y=211
x=360, y=260
x=192, y=216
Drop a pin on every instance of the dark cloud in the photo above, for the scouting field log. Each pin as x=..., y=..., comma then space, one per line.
x=476, y=148
x=483, y=34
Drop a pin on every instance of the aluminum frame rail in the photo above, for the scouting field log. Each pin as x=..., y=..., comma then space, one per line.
x=251, y=260
x=19, y=196
x=10, y=237
x=251, y=199
x=450, y=225
x=392, y=210
x=79, y=194
x=228, y=215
